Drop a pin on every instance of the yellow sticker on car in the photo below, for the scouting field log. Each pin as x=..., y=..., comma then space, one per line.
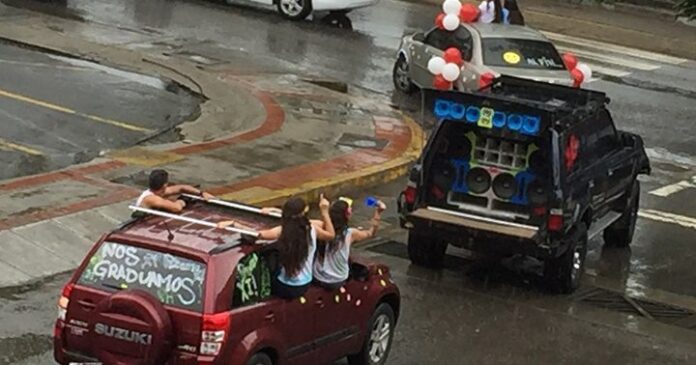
x=486, y=119
x=512, y=58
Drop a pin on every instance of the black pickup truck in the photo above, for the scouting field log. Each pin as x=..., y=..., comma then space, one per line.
x=523, y=167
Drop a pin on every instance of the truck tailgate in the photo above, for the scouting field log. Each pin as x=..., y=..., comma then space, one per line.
x=475, y=222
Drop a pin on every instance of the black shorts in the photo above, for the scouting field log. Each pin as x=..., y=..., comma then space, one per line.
x=329, y=286
x=285, y=291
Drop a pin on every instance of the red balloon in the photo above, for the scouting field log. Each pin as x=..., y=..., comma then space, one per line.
x=439, y=19
x=570, y=61
x=578, y=77
x=468, y=13
x=453, y=55
x=441, y=84
x=486, y=80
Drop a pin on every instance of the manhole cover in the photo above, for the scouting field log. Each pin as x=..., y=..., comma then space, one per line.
x=361, y=141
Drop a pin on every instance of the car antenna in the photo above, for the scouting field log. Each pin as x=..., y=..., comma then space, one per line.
x=170, y=235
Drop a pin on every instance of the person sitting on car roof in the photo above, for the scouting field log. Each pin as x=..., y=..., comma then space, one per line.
x=490, y=11
x=296, y=243
x=512, y=13
x=161, y=196
x=331, y=267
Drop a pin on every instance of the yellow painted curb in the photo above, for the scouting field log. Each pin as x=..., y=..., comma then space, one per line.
x=333, y=186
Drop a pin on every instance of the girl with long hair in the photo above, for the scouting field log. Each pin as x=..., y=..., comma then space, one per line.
x=296, y=243
x=331, y=267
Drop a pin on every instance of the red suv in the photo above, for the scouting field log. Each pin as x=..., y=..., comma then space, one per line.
x=173, y=289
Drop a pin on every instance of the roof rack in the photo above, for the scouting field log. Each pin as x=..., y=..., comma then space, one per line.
x=191, y=220
x=233, y=205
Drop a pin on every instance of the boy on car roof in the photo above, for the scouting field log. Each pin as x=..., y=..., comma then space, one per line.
x=162, y=196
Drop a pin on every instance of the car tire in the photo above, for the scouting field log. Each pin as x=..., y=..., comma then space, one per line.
x=260, y=359
x=563, y=273
x=294, y=9
x=426, y=249
x=381, y=327
x=338, y=20
x=400, y=76
x=620, y=233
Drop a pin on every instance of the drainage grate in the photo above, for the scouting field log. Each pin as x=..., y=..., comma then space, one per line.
x=619, y=302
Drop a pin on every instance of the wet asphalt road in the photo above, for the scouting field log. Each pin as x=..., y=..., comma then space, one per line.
x=494, y=313
x=55, y=111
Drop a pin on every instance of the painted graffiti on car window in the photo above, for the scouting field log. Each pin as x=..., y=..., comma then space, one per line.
x=173, y=280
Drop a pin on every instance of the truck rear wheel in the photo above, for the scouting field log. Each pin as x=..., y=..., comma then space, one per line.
x=426, y=249
x=620, y=233
x=563, y=273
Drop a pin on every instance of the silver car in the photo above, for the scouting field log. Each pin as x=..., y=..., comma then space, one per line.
x=486, y=48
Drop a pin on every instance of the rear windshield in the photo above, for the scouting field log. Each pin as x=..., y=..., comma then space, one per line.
x=174, y=280
x=521, y=53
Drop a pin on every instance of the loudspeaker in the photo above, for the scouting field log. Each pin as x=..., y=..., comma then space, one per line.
x=536, y=193
x=504, y=186
x=478, y=180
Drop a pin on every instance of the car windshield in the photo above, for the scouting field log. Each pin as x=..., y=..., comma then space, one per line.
x=174, y=280
x=521, y=53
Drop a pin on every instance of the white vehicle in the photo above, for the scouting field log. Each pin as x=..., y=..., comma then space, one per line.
x=301, y=9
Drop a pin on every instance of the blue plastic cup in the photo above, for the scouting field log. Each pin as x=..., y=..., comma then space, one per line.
x=371, y=201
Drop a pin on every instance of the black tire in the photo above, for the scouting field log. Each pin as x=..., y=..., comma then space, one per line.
x=294, y=9
x=620, y=233
x=260, y=359
x=402, y=81
x=338, y=20
x=563, y=273
x=364, y=357
x=426, y=249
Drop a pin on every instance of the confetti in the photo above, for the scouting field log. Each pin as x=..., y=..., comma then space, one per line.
x=303, y=300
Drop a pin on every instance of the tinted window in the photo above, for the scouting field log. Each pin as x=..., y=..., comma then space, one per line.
x=604, y=133
x=253, y=281
x=442, y=39
x=174, y=280
x=521, y=53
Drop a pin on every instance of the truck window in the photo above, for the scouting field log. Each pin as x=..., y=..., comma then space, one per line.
x=174, y=280
x=252, y=282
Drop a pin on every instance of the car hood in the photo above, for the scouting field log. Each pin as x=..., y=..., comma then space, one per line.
x=561, y=77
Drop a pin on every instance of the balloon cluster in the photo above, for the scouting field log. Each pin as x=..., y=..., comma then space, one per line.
x=446, y=68
x=580, y=72
x=454, y=14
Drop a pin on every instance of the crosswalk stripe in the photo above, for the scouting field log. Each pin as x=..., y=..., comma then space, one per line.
x=613, y=60
x=659, y=216
x=607, y=70
x=608, y=47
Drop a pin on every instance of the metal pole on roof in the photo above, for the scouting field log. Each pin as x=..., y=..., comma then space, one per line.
x=182, y=218
x=229, y=204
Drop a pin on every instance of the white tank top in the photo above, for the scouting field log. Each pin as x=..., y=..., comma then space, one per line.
x=145, y=194
x=334, y=267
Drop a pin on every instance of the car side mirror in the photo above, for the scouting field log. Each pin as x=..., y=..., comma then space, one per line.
x=419, y=37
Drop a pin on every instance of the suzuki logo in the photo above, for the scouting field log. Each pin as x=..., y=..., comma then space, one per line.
x=123, y=334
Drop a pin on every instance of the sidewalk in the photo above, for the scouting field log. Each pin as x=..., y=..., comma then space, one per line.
x=259, y=140
x=627, y=27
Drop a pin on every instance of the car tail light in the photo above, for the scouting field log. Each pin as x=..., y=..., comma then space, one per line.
x=64, y=300
x=214, y=333
x=410, y=194
x=539, y=211
x=555, y=222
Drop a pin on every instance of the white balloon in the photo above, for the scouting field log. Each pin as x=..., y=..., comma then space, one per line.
x=586, y=71
x=435, y=65
x=451, y=7
x=451, y=22
x=451, y=72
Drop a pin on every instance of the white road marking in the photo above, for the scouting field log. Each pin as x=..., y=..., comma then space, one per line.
x=608, y=58
x=615, y=48
x=668, y=190
x=659, y=216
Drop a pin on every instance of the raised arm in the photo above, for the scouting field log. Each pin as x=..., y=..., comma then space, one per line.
x=325, y=232
x=358, y=235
